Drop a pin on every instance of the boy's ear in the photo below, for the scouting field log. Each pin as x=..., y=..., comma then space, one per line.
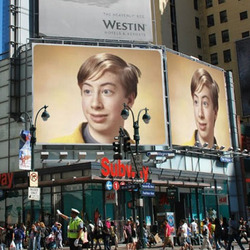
x=130, y=100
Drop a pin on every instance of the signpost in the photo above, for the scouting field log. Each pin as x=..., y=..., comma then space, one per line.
x=34, y=193
x=147, y=190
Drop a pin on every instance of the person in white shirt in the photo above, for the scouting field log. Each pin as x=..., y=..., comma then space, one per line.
x=194, y=227
x=206, y=235
x=183, y=229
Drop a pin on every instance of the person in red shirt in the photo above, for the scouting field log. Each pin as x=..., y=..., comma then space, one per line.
x=167, y=233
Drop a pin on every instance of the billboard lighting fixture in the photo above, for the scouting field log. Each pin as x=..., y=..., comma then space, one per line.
x=63, y=155
x=245, y=151
x=81, y=155
x=205, y=145
x=44, y=155
x=197, y=144
x=230, y=149
x=152, y=156
x=237, y=150
x=99, y=155
x=221, y=148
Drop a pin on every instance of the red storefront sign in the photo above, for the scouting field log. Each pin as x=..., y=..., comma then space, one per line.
x=6, y=179
x=118, y=169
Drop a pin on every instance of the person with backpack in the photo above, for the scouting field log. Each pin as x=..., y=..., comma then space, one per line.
x=127, y=232
x=206, y=235
x=18, y=237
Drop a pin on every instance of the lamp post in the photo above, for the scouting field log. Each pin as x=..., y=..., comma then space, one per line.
x=45, y=115
x=146, y=118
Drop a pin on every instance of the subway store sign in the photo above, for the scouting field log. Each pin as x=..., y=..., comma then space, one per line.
x=6, y=180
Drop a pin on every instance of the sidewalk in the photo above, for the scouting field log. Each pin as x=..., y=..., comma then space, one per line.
x=159, y=246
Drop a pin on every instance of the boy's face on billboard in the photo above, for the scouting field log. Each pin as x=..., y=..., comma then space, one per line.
x=102, y=102
x=205, y=115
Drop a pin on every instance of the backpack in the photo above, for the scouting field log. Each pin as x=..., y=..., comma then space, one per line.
x=18, y=234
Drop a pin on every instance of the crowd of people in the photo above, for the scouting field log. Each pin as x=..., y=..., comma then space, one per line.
x=38, y=236
x=214, y=234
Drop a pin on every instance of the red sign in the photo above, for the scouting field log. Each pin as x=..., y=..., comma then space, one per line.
x=116, y=185
x=118, y=169
x=6, y=179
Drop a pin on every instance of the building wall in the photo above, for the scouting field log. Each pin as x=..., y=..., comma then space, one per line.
x=187, y=32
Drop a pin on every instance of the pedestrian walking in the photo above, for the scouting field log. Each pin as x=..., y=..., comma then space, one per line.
x=206, y=235
x=233, y=233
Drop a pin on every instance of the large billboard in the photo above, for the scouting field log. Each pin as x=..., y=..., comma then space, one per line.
x=198, y=102
x=243, y=52
x=91, y=112
x=106, y=19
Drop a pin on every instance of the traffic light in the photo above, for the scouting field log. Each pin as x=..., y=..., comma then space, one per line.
x=117, y=148
x=126, y=144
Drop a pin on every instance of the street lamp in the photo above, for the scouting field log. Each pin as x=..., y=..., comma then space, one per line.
x=45, y=115
x=146, y=118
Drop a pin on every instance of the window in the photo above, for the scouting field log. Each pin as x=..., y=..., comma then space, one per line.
x=243, y=15
x=212, y=39
x=196, y=4
x=223, y=16
x=214, y=58
x=197, y=23
x=210, y=20
x=209, y=3
x=225, y=36
x=198, y=40
x=221, y=1
x=245, y=34
x=227, y=55
x=200, y=57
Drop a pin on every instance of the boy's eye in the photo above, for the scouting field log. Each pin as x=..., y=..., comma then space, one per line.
x=86, y=91
x=107, y=92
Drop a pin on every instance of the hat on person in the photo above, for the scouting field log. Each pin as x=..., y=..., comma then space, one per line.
x=108, y=218
x=73, y=210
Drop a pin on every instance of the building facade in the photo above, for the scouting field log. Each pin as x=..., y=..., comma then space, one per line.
x=203, y=183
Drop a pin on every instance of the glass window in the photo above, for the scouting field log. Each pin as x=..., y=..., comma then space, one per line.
x=212, y=39
x=209, y=3
x=222, y=192
x=198, y=40
x=243, y=15
x=47, y=209
x=196, y=4
x=210, y=20
x=14, y=206
x=200, y=57
x=93, y=200
x=227, y=55
x=223, y=16
x=197, y=23
x=221, y=1
x=214, y=58
x=245, y=34
x=225, y=36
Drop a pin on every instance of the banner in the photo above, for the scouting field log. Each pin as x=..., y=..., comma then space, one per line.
x=25, y=150
x=106, y=19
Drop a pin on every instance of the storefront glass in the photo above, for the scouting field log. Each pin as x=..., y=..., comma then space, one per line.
x=14, y=206
x=93, y=201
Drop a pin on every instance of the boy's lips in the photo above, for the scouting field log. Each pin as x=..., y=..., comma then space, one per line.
x=98, y=117
x=202, y=126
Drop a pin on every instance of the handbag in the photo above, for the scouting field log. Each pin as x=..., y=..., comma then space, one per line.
x=12, y=245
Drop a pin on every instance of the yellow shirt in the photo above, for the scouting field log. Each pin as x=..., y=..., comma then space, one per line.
x=75, y=137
